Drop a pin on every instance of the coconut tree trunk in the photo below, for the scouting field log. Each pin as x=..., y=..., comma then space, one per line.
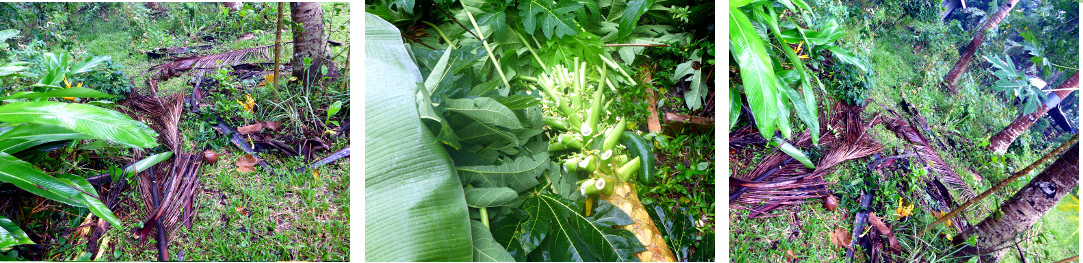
x=960, y=66
x=1019, y=213
x=310, y=42
x=999, y=143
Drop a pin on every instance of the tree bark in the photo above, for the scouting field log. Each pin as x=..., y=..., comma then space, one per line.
x=960, y=66
x=233, y=6
x=999, y=143
x=1019, y=213
x=309, y=42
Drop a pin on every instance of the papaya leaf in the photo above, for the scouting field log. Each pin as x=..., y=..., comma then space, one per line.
x=519, y=174
x=490, y=196
x=485, y=248
x=486, y=110
x=574, y=237
x=553, y=18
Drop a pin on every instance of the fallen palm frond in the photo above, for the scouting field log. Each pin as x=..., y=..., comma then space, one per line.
x=172, y=185
x=162, y=113
x=213, y=61
x=778, y=182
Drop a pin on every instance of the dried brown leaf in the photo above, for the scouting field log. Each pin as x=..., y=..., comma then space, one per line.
x=841, y=238
x=247, y=163
x=250, y=129
x=880, y=226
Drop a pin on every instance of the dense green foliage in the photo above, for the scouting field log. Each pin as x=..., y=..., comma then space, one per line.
x=848, y=83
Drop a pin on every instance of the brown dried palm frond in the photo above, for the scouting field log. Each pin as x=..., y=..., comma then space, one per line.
x=213, y=61
x=175, y=185
x=162, y=113
x=930, y=157
x=783, y=183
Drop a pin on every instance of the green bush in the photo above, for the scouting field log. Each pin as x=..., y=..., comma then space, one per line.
x=848, y=83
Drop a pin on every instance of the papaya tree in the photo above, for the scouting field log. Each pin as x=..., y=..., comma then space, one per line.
x=999, y=143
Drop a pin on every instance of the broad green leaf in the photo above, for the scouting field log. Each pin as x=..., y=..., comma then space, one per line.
x=631, y=15
x=520, y=234
x=11, y=68
x=11, y=235
x=519, y=174
x=735, y=107
x=142, y=165
x=518, y=102
x=70, y=92
x=803, y=112
x=485, y=247
x=574, y=237
x=88, y=64
x=795, y=153
x=415, y=206
x=39, y=132
x=4, y=36
x=553, y=18
x=91, y=120
x=93, y=202
x=486, y=110
x=478, y=132
x=438, y=72
x=489, y=196
x=757, y=73
x=697, y=89
x=845, y=56
x=24, y=175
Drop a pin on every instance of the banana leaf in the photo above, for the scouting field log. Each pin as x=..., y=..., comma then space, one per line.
x=415, y=208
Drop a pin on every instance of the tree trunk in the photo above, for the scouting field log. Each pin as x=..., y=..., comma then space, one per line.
x=310, y=42
x=999, y=143
x=1019, y=213
x=233, y=6
x=960, y=66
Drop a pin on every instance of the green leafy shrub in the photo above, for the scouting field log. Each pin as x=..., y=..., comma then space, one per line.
x=848, y=83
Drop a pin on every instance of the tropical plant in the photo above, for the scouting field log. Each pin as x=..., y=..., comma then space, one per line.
x=29, y=121
x=767, y=88
x=515, y=201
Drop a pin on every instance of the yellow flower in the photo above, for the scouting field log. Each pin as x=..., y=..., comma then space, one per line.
x=68, y=85
x=267, y=79
x=903, y=211
x=248, y=104
x=940, y=214
x=798, y=51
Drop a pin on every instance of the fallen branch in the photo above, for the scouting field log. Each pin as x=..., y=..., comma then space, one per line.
x=242, y=144
x=326, y=160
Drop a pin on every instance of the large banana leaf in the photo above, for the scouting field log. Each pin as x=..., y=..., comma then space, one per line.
x=757, y=73
x=415, y=208
x=94, y=121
